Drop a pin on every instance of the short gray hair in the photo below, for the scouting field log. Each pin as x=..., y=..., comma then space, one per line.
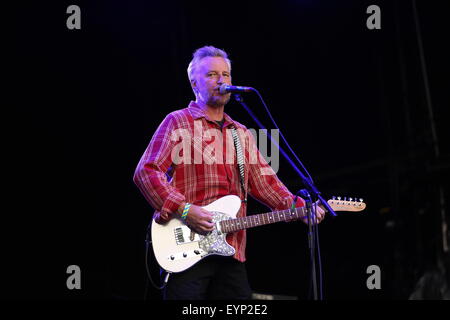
x=206, y=51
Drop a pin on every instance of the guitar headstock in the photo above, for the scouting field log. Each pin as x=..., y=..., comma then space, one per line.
x=346, y=204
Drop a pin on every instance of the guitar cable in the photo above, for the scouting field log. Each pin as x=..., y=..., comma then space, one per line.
x=149, y=277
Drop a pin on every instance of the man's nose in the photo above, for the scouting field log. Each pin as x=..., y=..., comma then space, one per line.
x=221, y=80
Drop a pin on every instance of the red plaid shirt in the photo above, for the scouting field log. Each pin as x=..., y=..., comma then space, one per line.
x=190, y=158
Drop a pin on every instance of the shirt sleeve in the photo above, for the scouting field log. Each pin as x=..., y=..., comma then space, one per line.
x=263, y=183
x=150, y=174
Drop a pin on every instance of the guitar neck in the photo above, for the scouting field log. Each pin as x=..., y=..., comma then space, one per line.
x=256, y=220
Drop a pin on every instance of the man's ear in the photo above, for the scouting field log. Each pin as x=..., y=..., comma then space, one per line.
x=194, y=85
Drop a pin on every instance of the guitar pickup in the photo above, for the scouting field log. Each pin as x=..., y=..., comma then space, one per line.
x=184, y=235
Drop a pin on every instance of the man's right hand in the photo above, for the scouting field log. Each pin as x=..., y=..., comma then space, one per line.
x=199, y=219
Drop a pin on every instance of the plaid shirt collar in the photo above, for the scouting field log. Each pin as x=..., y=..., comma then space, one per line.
x=198, y=113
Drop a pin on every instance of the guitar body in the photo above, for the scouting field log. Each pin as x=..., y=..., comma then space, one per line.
x=177, y=248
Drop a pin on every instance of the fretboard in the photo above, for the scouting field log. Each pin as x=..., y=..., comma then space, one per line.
x=255, y=220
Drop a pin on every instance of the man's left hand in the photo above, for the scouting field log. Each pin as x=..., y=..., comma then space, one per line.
x=320, y=213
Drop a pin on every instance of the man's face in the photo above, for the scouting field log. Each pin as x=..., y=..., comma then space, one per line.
x=211, y=73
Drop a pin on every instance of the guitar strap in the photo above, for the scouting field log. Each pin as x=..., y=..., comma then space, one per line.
x=240, y=161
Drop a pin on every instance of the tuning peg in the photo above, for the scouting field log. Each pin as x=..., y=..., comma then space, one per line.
x=350, y=199
x=339, y=198
x=360, y=199
x=345, y=198
x=333, y=198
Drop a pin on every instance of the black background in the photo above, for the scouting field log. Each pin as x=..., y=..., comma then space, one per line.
x=351, y=102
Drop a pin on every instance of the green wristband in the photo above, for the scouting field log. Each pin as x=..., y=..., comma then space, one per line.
x=186, y=210
x=294, y=203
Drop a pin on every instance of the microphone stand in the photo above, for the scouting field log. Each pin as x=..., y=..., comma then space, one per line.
x=310, y=188
x=311, y=238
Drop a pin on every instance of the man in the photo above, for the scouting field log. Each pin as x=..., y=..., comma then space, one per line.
x=181, y=149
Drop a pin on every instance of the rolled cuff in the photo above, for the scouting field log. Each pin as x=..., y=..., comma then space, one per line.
x=171, y=204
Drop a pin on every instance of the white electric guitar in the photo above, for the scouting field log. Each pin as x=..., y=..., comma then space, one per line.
x=178, y=248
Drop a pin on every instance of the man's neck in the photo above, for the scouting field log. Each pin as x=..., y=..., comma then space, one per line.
x=214, y=113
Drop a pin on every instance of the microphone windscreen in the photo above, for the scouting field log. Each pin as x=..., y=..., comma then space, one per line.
x=223, y=89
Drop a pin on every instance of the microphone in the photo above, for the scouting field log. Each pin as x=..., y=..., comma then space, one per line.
x=224, y=88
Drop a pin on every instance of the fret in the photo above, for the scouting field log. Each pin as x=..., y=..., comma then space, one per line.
x=296, y=213
x=293, y=214
x=223, y=226
x=299, y=212
x=236, y=224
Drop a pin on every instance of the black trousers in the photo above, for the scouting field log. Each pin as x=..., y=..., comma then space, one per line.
x=213, y=278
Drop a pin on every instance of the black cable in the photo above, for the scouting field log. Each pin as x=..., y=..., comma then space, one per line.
x=149, y=277
x=316, y=229
x=312, y=242
x=313, y=232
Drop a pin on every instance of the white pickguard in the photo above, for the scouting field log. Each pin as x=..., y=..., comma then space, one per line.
x=177, y=249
